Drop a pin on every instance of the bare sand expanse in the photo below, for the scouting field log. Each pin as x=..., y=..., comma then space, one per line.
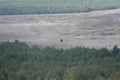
x=94, y=29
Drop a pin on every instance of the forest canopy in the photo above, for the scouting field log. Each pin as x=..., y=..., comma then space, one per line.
x=12, y=7
x=18, y=61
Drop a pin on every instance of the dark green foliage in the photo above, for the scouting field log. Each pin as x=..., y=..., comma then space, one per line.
x=11, y=7
x=18, y=61
x=115, y=50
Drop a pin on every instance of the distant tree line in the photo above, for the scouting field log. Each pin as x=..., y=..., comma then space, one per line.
x=12, y=7
x=18, y=61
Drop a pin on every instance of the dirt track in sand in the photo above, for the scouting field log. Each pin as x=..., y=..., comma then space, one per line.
x=93, y=29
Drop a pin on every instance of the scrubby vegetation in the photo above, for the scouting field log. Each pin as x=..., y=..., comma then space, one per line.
x=18, y=61
x=10, y=7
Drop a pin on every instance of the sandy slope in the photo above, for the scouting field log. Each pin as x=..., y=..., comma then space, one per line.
x=104, y=12
x=93, y=29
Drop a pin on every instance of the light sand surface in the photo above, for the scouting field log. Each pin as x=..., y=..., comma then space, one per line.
x=93, y=29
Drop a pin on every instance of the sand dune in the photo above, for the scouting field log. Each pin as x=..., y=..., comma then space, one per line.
x=93, y=29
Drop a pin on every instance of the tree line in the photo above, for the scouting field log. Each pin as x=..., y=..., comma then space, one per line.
x=18, y=61
x=16, y=7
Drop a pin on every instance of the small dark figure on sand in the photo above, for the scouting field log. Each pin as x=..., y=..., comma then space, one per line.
x=61, y=40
